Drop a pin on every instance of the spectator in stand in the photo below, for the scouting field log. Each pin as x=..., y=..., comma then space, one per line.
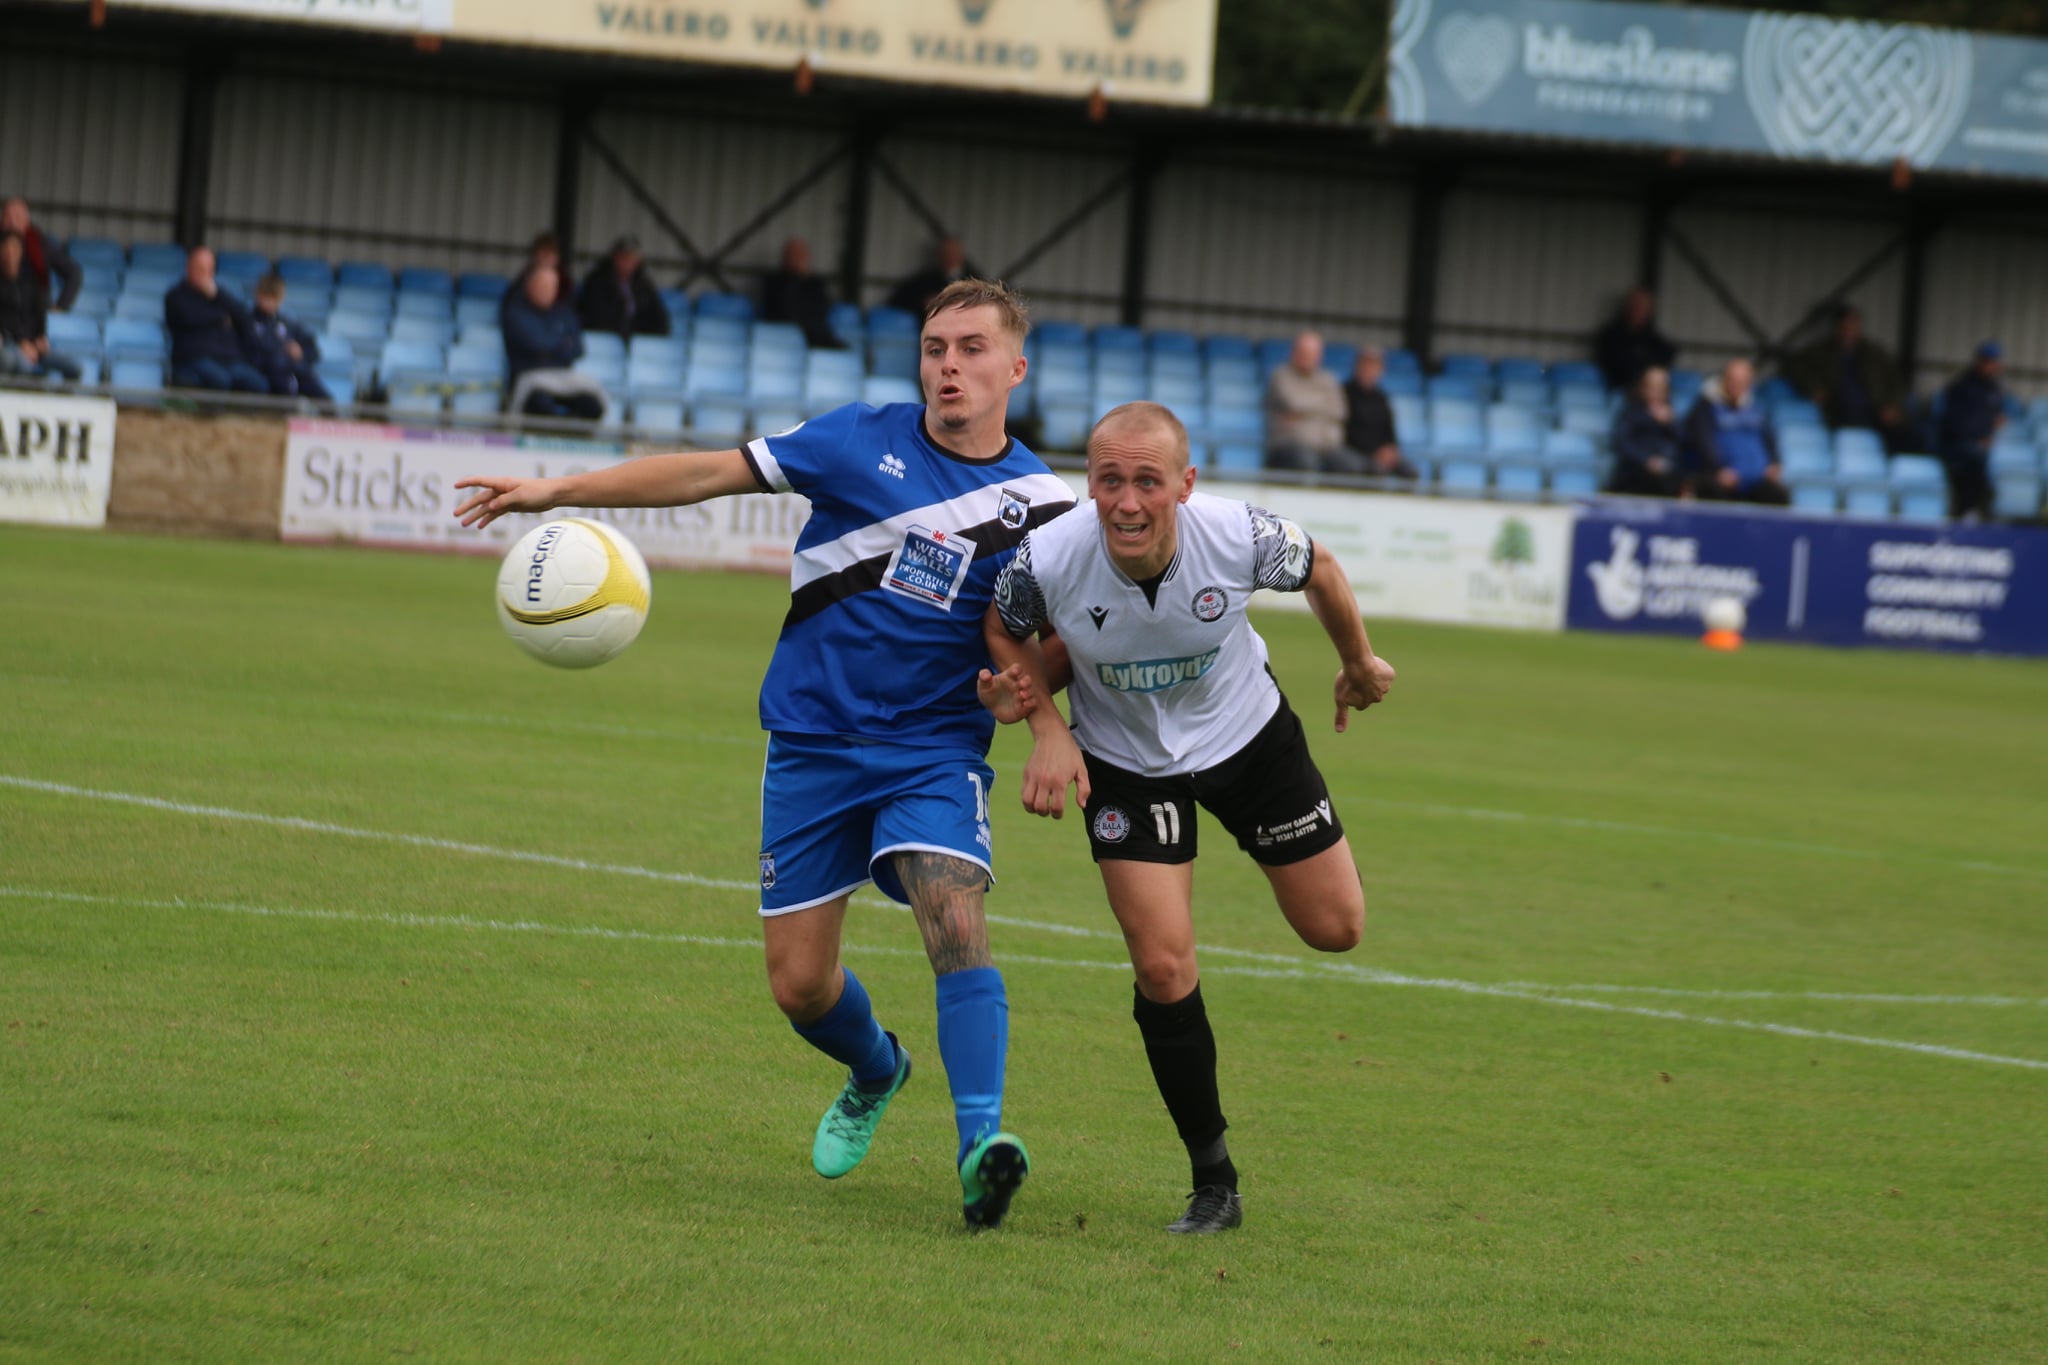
x=544, y=256
x=1729, y=444
x=207, y=326
x=282, y=349
x=1305, y=415
x=1972, y=411
x=542, y=342
x=949, y=263
x=1369, y=417
x=43, y=257
x=1853, y=381
x=24, y=317
x=1647, y=452
x=1631, y=344
x=619, y=296
x=791, y=293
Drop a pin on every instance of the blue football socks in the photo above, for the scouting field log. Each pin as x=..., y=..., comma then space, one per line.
x=849, y=1035
x=974, y=1038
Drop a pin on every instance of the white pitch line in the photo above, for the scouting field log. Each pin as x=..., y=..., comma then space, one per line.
x=383, y=836
x=1363, y=977
x=1352, y=797
x=1286, y=961
x=1830, y=997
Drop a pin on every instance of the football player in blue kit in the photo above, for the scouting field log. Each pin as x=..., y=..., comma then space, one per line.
x=1174, y=707
x=877, y=733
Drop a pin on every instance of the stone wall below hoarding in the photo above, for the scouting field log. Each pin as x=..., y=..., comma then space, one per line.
x=197, y=474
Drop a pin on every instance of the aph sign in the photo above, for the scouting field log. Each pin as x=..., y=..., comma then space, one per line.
x=56, y=458
x=1796, y=86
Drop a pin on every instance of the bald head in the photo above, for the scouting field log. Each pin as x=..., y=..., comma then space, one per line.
x=1150, y=427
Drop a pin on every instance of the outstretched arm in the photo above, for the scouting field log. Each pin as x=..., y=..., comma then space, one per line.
x=650, y=481
x=1363, y=677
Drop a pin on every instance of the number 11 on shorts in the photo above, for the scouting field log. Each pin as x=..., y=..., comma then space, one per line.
x=980, y=798
x=1166, y=816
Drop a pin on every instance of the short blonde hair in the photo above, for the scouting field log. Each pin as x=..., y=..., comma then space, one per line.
x=973, y=293
x=1156, y=415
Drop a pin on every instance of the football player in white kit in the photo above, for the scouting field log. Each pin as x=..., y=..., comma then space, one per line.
x=1174, y=706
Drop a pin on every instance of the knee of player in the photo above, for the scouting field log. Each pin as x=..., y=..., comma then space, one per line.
x=1164, y=975
x=1341, y=928
x=801, y=996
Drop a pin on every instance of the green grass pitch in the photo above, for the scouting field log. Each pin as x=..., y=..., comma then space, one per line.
x=1699, y=1015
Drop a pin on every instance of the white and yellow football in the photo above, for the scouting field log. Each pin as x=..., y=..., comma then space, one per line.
x=573, y=592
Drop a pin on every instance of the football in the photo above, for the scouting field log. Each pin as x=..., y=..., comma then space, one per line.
x=1724, y=613
x=573, y=592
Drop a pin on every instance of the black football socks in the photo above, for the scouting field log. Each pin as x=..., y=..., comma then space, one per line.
x=1182, y=1051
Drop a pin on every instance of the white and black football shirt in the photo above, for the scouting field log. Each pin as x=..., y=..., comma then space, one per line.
x=1171, y=681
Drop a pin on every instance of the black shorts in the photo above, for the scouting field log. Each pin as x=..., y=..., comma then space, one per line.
x=1269, y=795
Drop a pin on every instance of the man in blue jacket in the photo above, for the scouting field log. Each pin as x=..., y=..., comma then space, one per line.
x=207, y=325
x=285, y=351
x=543, y=340
x=1972, y=411
x=1729, y=446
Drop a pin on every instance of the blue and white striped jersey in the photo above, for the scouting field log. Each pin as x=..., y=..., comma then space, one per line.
x=892, y=575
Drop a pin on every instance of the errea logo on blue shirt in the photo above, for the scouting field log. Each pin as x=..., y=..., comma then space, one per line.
x=892, y=464
x=1155, y=675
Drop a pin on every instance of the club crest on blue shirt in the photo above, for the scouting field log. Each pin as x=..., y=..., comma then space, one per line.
x=1211, y=603
x=767, y=871
x=1013, y=510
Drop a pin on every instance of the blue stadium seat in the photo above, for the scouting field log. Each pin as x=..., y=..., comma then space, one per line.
x=1184, y=396
x=480, y=334
x=715, y=381
x=474, y=308
x=436, y=331
x=829, y=389
x=145, y=376
x=1922, y=504
x=606, y=367
x=1185, y=365
x=356, y=298
x=1806, y=462
x=1475, y=367
x=69, y=332
x=774, y=387
x=677, y=301
x=420, y=279
x=2017, y=495
x=481, y=372
x=895, y=356
x=1525, y=392
x=719, y=415
x=1238, y=457
x=1173, y=343
x=1408, y=382
x=1274, y=352
x=140, y=307
x=662, y=416
x=885, y=321
x=92, y=305
x=1859, y=441
x=307, y=272
x=1235, y=424
x=1056, y=333
x=1110, y=337
x=482, y=284
x=1340, y=358
x=605, y=345
x=2013, y=451
x=1577, y=374
x=1860, y=460
x=165, y=257
x=1585, y=422
x=363, y=275
x=847, y=324
x=778, y=339
x=1867, y=500
x=409, y=363
x=136, y=339
x=1462, y=474
x=1518, y=479
x=880, y=390
x=716, y=305
x=100, y=255
x=1520, y=369
x=251, y=265
x=775, y=418
x=1400, y=360
x=1814, y=495
x=1064, y=424
x=1576, y=481
x=1462, y=386
x=413, y=304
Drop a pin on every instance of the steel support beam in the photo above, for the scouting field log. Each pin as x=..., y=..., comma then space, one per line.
x=572, y=123
x=860, y=200
x=1146, y=163
x=1425, y=260
x=195, y=150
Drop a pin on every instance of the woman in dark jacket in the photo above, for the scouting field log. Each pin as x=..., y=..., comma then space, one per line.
x=1645, y=441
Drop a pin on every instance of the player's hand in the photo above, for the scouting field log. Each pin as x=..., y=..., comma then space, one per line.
x=1359, y=685
x=497, y=496
x=1055, y=763
x=1008, y=695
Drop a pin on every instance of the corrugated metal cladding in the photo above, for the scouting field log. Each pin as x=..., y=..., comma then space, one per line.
x=1778, y=260
x=457, y=179
x=92, y=143
x=1257, y=249
x=1002, y=201
x=711, y=177
x=1532, y=272
x=1985, y=284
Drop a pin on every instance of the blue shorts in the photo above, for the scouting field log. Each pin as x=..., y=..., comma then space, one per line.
x=833, y=810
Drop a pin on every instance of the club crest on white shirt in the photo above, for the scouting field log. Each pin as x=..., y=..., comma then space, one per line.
x=1211, y=603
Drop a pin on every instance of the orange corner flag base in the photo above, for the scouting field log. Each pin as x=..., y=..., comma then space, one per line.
x=1722, y=639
